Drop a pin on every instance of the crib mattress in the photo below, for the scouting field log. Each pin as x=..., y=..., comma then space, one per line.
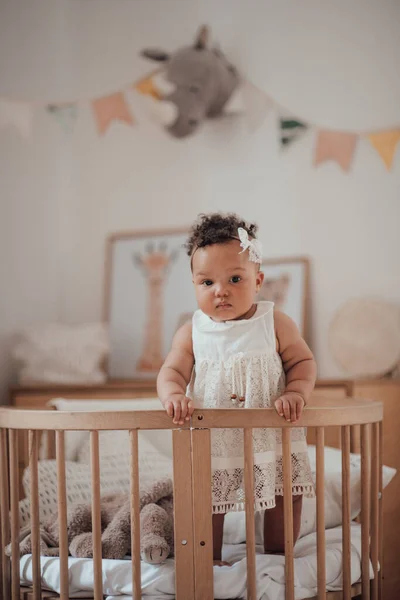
x=158, y=582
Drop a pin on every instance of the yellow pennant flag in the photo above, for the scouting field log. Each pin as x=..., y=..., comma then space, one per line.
x=111, y=108
x=146, y=86
x=335, y=145
x=385, y=143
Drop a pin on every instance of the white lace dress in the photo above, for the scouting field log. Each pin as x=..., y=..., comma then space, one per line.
x=240, y=358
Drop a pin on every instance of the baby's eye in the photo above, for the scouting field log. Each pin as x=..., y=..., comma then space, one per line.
x=236, y=279
x=206, y=282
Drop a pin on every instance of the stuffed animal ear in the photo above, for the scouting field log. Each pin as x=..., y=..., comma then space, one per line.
x=155, y=54
x=202, y=38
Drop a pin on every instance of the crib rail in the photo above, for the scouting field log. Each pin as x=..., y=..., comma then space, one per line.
x=192, y=492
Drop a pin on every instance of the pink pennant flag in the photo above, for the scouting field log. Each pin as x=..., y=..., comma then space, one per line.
x=335, y=145
x=16, y=114
x=111, y=108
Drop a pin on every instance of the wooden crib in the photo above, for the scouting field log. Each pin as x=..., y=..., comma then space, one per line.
x=192, y=492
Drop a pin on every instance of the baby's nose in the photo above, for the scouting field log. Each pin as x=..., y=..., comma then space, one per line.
x=221, y=291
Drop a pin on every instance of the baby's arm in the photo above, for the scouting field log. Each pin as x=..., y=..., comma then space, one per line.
x=299, y=366
x=175, y=374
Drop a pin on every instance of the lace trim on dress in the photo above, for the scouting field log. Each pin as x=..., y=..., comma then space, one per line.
x=228, y=484
x=221, y=508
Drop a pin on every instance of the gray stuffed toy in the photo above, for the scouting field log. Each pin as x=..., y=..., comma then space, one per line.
x=196, y=83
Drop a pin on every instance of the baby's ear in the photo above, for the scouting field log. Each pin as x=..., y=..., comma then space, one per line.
x=259, y=279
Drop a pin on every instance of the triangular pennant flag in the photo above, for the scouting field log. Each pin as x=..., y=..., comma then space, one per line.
x=290, y=130
x=385, y=143
x=256, y=105
x=16, y=114
x=110, y=108
x=65, y=114
x=146, y=86
x=335, y=145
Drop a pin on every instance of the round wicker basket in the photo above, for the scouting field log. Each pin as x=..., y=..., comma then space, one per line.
x=364, y=337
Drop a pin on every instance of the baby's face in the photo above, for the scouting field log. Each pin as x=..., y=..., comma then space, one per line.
x=225, y=281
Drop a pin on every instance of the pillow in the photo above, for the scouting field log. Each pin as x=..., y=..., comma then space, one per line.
x=114, y=475
x=161, y=439
x=62, y=353
x=333, y=489
x=235, y=522
x=115, y=446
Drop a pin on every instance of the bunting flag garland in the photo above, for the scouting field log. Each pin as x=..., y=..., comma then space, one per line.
x=290, y=130
x=111, y=108
x=335, y=145
x=385, y=143
x=253, y=103
x=16, y=114
x=65, y=114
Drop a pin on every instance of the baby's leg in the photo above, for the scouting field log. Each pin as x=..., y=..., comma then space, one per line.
x=274, y=532
x=218, y=534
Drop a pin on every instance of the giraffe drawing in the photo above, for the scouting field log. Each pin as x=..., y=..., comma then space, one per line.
x=154, y=264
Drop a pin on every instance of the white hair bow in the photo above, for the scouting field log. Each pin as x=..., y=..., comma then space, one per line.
x=254, y=246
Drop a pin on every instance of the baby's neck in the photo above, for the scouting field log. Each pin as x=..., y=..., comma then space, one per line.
x=247, y=315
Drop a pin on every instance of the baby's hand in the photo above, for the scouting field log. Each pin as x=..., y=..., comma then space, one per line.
x=179, y=407
x=290, y=406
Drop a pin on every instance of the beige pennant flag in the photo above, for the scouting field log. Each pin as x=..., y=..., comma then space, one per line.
x=111, y=108
x=256, y=106
x=335, y=145
x=385, y=143
x=16, y=114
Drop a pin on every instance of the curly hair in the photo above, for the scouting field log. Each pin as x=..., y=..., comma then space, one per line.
x=216, y=228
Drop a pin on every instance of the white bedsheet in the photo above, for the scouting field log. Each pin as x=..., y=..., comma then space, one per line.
x=158, y=583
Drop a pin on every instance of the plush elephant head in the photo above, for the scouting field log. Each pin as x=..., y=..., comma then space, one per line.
x=195, y=84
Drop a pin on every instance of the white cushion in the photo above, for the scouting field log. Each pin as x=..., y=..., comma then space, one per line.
x=333, y=489
x=62, y=353
x=74, y=440
x=235, y=523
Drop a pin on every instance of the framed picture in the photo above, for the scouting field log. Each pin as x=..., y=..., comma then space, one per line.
x=286, y=282
x=149, y=294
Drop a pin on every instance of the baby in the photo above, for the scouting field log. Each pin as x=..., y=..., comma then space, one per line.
x=240, y=353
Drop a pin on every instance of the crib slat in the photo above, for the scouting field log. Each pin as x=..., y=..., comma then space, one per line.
x=33, y=466
x=365, y=509
x=355, y=439
x=321, y=554
x=202, y=507
x=249, y=499
x=375, y=507
x=380, y=545
x=288, y=513
x=346, y=549
x=50, y=444
x=5, y=523
x=96, y=517
x=135, y=515
x=62, y=515
x=1, y=542
x=14, y=471
x=183, y=522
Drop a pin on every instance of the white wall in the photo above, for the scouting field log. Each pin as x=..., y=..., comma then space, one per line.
x=335, y=64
